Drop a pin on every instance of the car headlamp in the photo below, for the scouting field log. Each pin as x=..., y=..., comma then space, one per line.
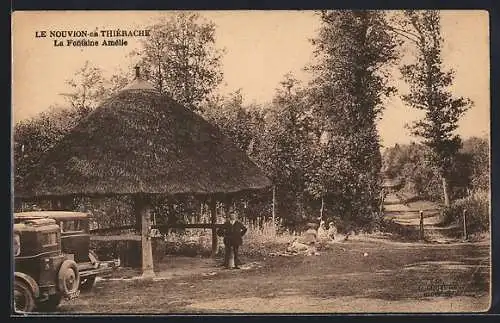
x=17, y=245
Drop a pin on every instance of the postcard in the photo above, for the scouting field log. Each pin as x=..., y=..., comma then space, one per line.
x=200, y=162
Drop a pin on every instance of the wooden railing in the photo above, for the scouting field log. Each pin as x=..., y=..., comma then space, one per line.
x=160, y=226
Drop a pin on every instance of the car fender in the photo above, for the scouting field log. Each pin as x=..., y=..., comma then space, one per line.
x=30, y=281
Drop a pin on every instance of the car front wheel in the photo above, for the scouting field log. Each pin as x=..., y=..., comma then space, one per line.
x=69, y=278
x=24, y=300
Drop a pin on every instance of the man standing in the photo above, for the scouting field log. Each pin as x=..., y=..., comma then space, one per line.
x=232, y=231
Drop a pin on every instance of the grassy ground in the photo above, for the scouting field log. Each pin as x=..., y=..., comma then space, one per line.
x=370, y=273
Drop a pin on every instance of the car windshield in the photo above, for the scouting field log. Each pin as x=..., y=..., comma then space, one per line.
x=71, y=225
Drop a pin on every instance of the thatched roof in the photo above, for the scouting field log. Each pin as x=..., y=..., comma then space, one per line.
x=142, y=142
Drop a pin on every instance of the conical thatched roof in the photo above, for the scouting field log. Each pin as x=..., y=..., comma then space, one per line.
x=142, y=142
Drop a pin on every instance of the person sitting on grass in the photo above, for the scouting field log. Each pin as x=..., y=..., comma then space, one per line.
x=233, y=232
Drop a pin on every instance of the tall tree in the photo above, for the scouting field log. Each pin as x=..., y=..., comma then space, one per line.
x=430, y=83
x=282, y=149
x=353, y=50
x=233, y=118
x=88, y=88
x=180, y=58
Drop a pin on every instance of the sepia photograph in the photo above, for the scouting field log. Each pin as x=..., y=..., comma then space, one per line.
x=250, y=162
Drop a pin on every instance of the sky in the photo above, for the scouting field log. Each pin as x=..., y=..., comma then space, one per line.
x=261, y=47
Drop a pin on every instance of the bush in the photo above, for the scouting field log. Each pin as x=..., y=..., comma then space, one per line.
x=259, y=241
x=265, y=239
x=478, y=212
x=190, y=243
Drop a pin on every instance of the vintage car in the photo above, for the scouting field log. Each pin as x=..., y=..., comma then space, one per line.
x=75, y=239
x=43, y=274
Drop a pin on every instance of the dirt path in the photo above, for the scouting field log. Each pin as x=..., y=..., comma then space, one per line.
x=367, y=274
x=408, y=214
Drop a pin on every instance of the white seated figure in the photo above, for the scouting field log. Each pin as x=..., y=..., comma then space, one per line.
x=332, y=230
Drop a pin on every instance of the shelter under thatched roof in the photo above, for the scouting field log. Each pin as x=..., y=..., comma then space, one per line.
x=142, y=143
x=139, y=141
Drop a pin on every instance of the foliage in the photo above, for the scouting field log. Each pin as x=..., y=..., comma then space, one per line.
x=479, y=151
x=239, y=122
x=260, y=240
x=429, y=91
x=264, y=239
x=286, y=148
x=353, y=51
x=410, y=163
x=275, y=137
x=180, y=58
x=477, y=206
x=107, y=212
x=191, y=243
x=287, y=129
x=469, y=172
x=35, y=136
x=87, y=87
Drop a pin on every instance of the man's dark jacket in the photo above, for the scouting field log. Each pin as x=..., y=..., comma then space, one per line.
x=232, y=233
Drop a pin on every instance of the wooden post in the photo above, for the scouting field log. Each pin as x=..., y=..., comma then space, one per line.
x=421, y=231
x=213, y=219
x=200, y=216
x=381, y=208
x=322, y=209
x=144, y=209
x=274, y=205
x=230, y=258
x=227, y=211
x=465, y=224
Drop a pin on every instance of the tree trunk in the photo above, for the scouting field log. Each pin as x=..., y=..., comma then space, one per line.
x=213, y=219
x=446, y=193
x=299, y=199
x=301, y=218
